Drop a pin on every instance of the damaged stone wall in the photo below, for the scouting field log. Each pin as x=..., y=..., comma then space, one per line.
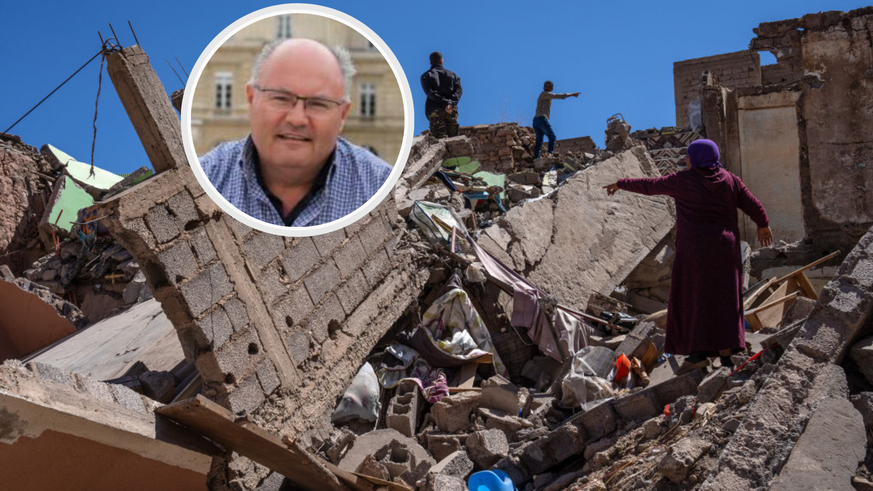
x=824, y=150
x=577, y=240
x=26, y=192
x=500, y=147
x=258, y=312
x=739, y=69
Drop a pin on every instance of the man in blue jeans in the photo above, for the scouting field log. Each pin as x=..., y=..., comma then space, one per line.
x=541, y=118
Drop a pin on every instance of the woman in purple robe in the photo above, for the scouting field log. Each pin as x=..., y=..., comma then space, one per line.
x=705, y=312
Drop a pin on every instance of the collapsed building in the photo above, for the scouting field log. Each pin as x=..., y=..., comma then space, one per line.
x=264, y=362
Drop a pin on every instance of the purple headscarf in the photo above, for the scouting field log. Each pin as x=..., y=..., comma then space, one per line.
x=704, y=154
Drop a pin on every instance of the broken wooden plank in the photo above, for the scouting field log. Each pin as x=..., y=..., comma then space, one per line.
x=771, y=312
x=218, y=424
x=809, y=266
x=467, y=374
x=757, y=295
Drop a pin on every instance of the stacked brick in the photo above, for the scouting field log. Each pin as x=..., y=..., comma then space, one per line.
x=257, y=311
x=501, y=147
x=731, y=70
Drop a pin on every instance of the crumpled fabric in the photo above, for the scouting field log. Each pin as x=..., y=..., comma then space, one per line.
x=361, y=398
x=431, y=381
x=573, y=334
x=581, y=385
x=453, y=314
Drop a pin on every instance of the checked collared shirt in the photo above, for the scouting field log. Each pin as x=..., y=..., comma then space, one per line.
x=353, y=175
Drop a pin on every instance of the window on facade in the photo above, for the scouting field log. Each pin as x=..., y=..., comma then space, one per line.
x=368, y=100
x=283, y=29
x=223, y=90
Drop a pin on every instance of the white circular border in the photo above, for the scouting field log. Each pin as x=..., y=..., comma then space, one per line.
x=408, y=121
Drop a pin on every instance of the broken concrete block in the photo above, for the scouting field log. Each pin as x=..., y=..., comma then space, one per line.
x=445, y=483
x=712, y=386
x=441, y=446
x=828, y=452
x=373, y=468
x=681, y=457
x=485, y=448
x=372, y=442
x=405, y=408
x=559, y=445
x=456, y=465
x=452, y=413
x=499, y=393
x=509, y=424
x=638, y=406
x=599, y=420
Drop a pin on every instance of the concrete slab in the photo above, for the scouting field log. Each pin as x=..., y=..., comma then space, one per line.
x=108, y=348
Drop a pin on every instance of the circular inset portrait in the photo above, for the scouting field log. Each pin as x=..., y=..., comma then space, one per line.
x=299, y=122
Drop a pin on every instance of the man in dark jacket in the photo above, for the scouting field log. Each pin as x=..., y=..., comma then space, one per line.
x=443, y=90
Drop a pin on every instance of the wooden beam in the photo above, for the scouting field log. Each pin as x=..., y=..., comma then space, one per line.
x=809, y=266
x=289, y=459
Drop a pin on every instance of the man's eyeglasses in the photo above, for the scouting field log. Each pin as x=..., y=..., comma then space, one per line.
x=282, y=100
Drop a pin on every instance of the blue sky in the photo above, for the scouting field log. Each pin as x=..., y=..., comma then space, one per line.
x=619, y=55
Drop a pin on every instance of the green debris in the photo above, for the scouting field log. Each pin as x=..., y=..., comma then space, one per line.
x=70, y=200
x=492, y=179
x=462, y=165
x=81, y=171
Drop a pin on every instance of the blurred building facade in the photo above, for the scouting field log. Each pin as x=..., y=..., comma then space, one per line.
x=219, y=111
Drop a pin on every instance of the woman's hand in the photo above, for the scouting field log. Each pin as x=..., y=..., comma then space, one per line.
x=765, y=236
x=611, y=189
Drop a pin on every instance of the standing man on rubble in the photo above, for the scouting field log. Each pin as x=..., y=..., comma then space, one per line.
x=541, y=117
x=443, y=90
x=705, y=311
x=295, y=169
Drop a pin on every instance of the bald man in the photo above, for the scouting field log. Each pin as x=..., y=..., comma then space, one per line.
x=294, y=168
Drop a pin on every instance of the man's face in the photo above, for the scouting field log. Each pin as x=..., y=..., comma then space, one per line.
x=548, y=87
x=294, y=138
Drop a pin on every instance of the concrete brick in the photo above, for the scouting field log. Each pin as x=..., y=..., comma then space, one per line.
x=376, y=267
x=452, y=413
x=268, y=377
x=326, y=243
x=237, y=356
x=637, y=407
x=330, y=311
x=510, y=424
x=261, y=248
x=237, y=313
x=300, y=258
x=240, y=229
x=350, y=256
x=179, y=262
x=214, y=330
x=127, y=398
x=182, y=207
x=270, y=283
x=138, y=226
x=162, y=225
x=297, y=342
x=206, y=289
x=247, y=397
x=598, y=421
x=405, y=408
x=203, y=247
x=374, y=234
x=353, y=292
x=456, y=465
x=669, y=391
x=499, y=393
x=353, y=228
x=321, y=281
x=292, y=309
x=485, y=448
x=557, y=446
x=441, y=446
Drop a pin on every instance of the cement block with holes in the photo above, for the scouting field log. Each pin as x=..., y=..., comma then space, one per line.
x=293, y=308
x=179, y=262
x=236, y=357
x=326, y=317
x=213, y=330
x=405, y=408
x=246, y=397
